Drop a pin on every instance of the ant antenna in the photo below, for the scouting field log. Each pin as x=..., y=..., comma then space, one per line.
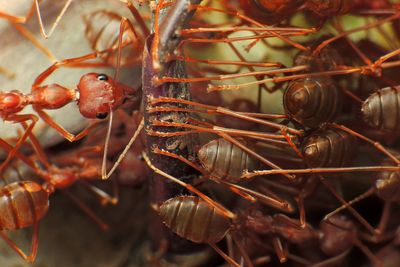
x=107, y=141
x=123, y=153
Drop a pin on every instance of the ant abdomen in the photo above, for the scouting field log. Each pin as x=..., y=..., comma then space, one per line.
x=312, y=101
x=192, y=218
x=330, y=147
x=22, y=204
x=225, y=161
x=388, y=184
x=382, y=109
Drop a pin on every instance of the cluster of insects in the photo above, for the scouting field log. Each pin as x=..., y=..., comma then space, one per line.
x=264, y=131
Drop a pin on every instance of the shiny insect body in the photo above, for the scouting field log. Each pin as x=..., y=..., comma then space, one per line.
x=193, y=219
x=225, y=161
x=96, y=96
x=381, y=109
x=329, y=147
x=312, y=101
x=23, y=204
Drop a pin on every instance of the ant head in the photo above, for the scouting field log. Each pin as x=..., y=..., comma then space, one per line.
x=98, y=94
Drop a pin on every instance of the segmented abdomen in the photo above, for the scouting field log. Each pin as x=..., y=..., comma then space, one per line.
x=312, y=101
x=382, y=109
x=225, y=161
x=192, y=218
x=329, y=148
x=22, y=204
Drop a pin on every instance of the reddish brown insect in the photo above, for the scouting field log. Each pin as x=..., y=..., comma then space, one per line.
x=194, y=219
x=312, y=101
x=331, y=147
x=96, y=95
x=23, y=204
x=381, y=109
x=224, y=162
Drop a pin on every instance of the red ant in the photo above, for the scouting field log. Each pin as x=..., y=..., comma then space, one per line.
x=55, y=178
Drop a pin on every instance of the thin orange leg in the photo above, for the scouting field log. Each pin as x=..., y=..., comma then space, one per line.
x=34, y=244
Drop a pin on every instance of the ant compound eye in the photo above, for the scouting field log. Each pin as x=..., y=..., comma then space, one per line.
x=102, y=77
x=102, y=115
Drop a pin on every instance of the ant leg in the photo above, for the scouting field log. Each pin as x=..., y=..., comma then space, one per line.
x=300, y=68
x=241, y=191
x=357, y=215
x=360, y=54
x=61, y=130
x=70, y=61
x=221, y=132
x=106, y=175
x=243, y=252
x=333, y=261
x=384, y=219
x=224, y=255
x=156, y=39
x=37, y=147
x=343, y=34
x=253, y=153
x=104, y=197
x=281, y=250
x=137, y=16
x=225, y=87
x=367, y=252
x=351, y=94
x=21, y=140
x=34, y=244
x=85, y=209
x=384, y=58
x=249, y=175
x=209, y=109
x=18, y=19
x=189, y=187
x=19, y=155
x=250, y=68
x=55, y=23
x=254, y=22
x=28, y=35
x=376, y=144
